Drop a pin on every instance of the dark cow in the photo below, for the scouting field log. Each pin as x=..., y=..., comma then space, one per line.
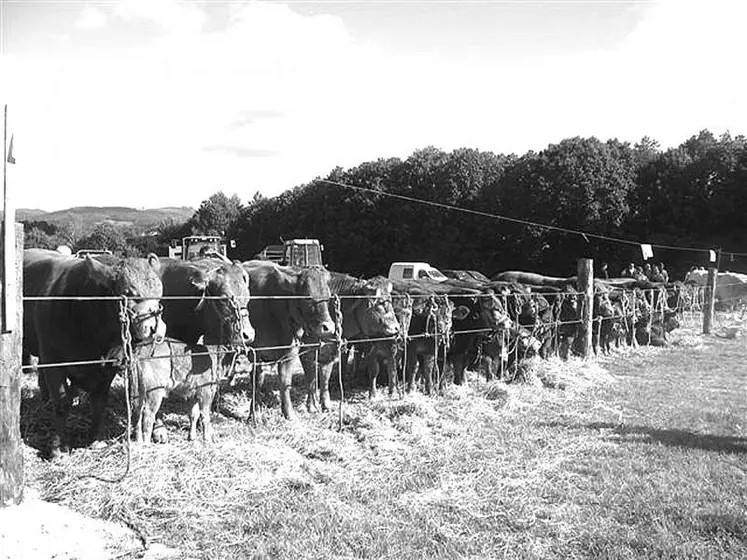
x=478, y=311
x=533, y=279
x=172, y=367
x=503, y=351
x=367, y=312
x=206, y=298
x=561, y=320
x=429, y=333
x=385, y=355
x=286, y=304
x=84, y=330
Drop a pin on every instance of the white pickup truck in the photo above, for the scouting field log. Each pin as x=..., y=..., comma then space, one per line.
x=415, y=271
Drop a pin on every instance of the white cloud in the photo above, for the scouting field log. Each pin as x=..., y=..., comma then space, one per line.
x=91, y=18
x=171, y=15
x=277, y=98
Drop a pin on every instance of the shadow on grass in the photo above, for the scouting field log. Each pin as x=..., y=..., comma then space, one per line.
x=622, y=433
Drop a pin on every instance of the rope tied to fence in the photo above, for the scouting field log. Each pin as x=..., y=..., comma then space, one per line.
x=402, y=338
x=338, y=338
x=125, y=363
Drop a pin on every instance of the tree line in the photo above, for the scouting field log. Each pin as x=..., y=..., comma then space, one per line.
x=692, y=195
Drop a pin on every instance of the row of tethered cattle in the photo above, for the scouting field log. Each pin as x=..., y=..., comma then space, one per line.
x=87, y=319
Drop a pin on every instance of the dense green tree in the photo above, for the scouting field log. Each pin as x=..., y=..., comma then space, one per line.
x=107, y=236
x=216, y=214
x=694, y=194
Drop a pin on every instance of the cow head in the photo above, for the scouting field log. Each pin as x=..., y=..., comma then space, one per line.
x=224, y=305
x=493, y=311
x=138, y=279
x=315, y=320
x=375, y=312
x=671, y=321
x=602, y=304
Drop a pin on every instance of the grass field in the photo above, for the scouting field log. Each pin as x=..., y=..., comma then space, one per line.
x=642, y=454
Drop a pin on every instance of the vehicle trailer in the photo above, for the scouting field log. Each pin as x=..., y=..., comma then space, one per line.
x=294, y=252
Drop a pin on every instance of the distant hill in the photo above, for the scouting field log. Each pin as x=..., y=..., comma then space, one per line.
x=88, y=216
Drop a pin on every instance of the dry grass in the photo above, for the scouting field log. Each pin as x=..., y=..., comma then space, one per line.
x=638, y=455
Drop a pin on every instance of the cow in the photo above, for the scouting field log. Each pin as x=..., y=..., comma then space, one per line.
x=206, y=299
x=563, y=316
x=478, y=310
x=533, y=279
x=76, y=330
x=367, y=312
x=286, y=304
x=503, y=351
x=429, y=333
x=385, y=355
x=166, y=367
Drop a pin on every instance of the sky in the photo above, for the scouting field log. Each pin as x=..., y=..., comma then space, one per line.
x=150, y=103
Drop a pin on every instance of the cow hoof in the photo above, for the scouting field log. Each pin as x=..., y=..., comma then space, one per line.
x=56, y=454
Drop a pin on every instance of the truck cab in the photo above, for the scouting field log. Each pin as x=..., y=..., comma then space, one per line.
x=196, y=246
x=294, y=252
x=415, y=271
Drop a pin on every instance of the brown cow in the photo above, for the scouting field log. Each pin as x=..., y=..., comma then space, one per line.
x=206, y=298
x=67, y=330
x=367, y=312
x=286, y=304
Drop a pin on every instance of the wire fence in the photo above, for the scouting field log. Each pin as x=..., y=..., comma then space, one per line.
x=634, y=305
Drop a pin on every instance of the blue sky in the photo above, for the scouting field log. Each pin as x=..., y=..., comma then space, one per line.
x=164, y=102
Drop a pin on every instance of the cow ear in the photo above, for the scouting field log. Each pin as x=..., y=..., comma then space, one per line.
x=153, y=262
x=460, y=312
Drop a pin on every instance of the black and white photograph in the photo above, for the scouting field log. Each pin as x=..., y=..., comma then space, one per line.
x=381, y=279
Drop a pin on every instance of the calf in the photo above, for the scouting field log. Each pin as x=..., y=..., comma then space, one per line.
x=160, y=369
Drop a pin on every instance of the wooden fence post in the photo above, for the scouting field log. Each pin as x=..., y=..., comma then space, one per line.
x=710, y=300
x=585, y=286
x=11, y=449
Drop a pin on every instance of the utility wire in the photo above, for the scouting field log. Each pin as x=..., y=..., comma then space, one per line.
x=583, y=234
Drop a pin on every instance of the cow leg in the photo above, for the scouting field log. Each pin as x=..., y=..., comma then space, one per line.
x=373, y=367
x=285, y=378
x=137, y=413
x=99, y=398
x=55, y=381
x=410, y=367
x=151, y=406
x=325, y=373
x=194, y=416
x=457, y=363
x=389, y=370
x=310, y=367
x=428, y=366
x=205, y=400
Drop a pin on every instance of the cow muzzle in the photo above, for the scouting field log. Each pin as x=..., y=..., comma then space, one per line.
x=146, y=321
x=247, y=331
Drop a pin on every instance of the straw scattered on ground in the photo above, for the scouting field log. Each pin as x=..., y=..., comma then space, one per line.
x=580, y=459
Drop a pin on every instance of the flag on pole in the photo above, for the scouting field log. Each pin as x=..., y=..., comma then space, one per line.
x=647, y=251
x=711, y=255
x=11, y=159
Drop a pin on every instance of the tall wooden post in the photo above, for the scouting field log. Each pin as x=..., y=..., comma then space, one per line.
x=710, y=300
x=11, y=450
x=585, y=286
